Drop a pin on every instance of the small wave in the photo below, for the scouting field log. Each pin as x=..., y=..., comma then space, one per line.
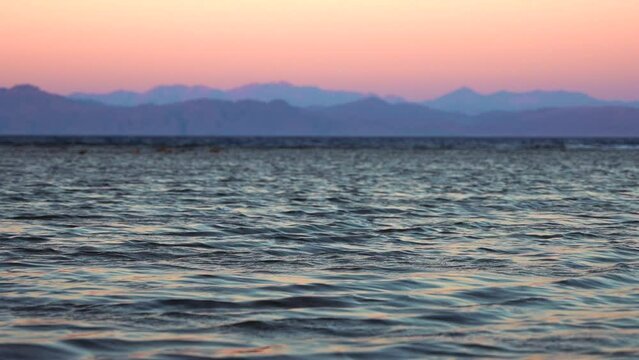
x=585, y=283
x=56, y=217
x=461, y=318
x=121, y=345
x=293, y=302
x=35, y=351
x=26, y=239
x=190, y=233
x=328, y=326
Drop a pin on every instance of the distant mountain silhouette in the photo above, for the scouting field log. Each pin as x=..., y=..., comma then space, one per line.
x=468, y=101
x=26, y=110
x=602, y=121
x=160, y=95
x=463, y=100
x=296, y=95
x=374, y=116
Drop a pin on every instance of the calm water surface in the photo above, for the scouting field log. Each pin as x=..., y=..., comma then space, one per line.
x=111, y=252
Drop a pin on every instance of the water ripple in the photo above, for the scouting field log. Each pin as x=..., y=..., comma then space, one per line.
x=318, y=252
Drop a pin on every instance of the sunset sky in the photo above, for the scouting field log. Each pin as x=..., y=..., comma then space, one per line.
x=414, y=48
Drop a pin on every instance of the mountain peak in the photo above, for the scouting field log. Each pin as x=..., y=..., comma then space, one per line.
x=464, y=90
x=283, y=83
x=371, y=100
x=468, y=101
x=25, y=89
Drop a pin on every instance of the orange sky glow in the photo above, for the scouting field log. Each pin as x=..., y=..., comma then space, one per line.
x=414, y=48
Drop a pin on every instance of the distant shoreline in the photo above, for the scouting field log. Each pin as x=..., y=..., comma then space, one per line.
x=329, y=142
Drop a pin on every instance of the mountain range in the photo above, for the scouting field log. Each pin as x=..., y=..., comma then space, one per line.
x=27, y=110
x=296, y=95
x=468, y=101
x=463, y=100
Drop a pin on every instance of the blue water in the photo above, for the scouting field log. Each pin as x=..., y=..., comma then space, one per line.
x=318, y=248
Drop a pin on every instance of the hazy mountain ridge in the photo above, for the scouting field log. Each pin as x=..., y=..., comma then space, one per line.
x=381, y=118
x=468, y=101
x=48, y=114
x=26, y=110
x=304, y=96
x=463, y=100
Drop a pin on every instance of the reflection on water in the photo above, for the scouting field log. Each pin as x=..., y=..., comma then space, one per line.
x=318, y=252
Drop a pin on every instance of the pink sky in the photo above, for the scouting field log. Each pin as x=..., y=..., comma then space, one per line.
x=414, y=48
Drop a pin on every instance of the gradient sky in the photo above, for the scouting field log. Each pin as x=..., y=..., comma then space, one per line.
x=414, y=48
